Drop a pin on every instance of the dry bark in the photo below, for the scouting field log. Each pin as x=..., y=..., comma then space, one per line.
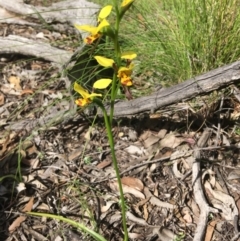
x=215, y=79
x=199, y=195
x=71, y=11
x=18, y=45
x=61, y=16
x=200, y=85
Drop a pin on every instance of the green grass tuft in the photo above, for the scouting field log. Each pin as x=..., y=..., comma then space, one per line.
x=179, y=39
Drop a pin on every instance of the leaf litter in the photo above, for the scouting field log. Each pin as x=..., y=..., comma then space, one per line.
x=66, y=167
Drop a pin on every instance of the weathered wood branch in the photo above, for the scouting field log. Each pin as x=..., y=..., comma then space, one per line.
x=73, y=11
x=18, y=45
x=189, y=89
x=199, y=195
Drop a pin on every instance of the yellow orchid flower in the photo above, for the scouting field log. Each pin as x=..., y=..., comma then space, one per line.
x=94, y=31
x=125, y=3
x=105, y=62
x=87, y=98
x=124, y=74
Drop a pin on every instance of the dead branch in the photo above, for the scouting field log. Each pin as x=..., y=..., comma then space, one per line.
x=72, y=11
x=198, y=189
x=18, y=45
x=200, y=85
x=62, y=15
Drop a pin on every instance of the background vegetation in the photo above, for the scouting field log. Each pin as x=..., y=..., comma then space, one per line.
x=178, y=39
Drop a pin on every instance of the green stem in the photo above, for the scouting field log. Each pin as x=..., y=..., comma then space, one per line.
x=113, y=97
x=115, y=164
x=115, y=86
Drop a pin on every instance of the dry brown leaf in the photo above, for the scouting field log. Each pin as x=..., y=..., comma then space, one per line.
x=104, y=164
x=107, y=206
x=115, y=217
x=222, y=201
x=210, y=230
x=7, y=89
x=155, y=201
x=39, y=185
x=126, y=189
x=29, y=205
x=32, y=150
x=2, y=100
x=166, y=234
x=74, y=154
x=133, y=182
x=145, y=212
x=87, y=135
x=135, y=219
x=144, y=135
x=134, y=150
x=162, y=133
x=135, y=236
x=15, y=81
x=194, y=208
x=6, y=142
x=171, y=141
x=20, y=187
x=35, y=66
x=233, y=175
x=155, y=192
x=175, y=169
x=139, y=204
x=186, y=215
x=16, y=223
x=27, y=91
x=152, y=139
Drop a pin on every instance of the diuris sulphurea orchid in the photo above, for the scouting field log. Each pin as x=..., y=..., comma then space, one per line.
x=123, y=73
x=95, y=32
x=121, y=79
x=86, y=97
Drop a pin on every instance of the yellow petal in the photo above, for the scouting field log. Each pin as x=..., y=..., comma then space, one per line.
x=128, y=55
x=91, y=96
x=104, y=23
x=78, y=88
x=102, y=83
x=88, y=28
x=104, y=12
x=126, y=3
x=105, y=62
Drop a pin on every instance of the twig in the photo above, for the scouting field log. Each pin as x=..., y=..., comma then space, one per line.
x=219, y=124
x=171, y=157
x=198, y=190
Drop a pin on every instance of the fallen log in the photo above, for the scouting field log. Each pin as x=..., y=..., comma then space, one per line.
x=19, y=45
x=200, y=85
